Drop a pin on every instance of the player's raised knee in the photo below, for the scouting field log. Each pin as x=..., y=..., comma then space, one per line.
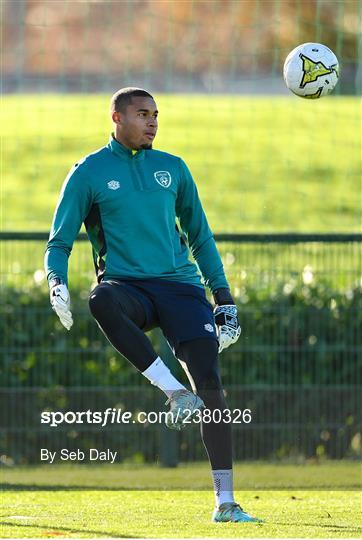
x=100, y=298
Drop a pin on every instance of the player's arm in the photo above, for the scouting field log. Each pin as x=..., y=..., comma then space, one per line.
x=72, y=208
x=203, y=248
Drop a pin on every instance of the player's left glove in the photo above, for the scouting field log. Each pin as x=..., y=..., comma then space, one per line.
x=60, y=302
x=226, y=319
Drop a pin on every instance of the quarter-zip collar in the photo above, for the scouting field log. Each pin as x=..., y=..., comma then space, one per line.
x=122, y=151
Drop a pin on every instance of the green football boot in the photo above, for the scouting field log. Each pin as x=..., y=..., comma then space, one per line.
x=183, y=406
x=232, y=513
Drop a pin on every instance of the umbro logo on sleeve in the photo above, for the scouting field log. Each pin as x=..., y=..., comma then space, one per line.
x=113, y=184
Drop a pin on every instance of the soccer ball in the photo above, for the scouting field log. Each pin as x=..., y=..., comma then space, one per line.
x=311, y=70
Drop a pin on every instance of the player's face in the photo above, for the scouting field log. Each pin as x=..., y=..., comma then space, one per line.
x=136, y=127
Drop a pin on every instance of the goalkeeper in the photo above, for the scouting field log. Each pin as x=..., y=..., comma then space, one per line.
x=129, y=196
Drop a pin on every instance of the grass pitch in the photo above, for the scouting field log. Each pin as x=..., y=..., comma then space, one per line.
x=118, y=501
x=261, y=164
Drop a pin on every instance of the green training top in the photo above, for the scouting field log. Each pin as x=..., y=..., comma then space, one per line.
x=129, y=204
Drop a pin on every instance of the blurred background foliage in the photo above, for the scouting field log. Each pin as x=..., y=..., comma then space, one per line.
x=264, y=161
x=196, y=45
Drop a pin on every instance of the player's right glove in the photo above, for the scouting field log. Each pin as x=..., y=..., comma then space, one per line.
x=60, y=301
x=226, y=319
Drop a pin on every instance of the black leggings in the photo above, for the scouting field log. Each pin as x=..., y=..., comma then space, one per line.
x=122, y=319
x=199, y=358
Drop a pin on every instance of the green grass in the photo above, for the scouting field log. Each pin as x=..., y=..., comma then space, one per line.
x=314, y=500
x=261, y=164
x=248, y=476
x=91, y=514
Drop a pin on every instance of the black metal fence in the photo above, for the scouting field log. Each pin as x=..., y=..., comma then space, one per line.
x=297, y=366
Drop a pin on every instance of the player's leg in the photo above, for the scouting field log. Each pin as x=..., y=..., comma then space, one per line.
x=121, y=317
x=199, y=357
x=124, y=316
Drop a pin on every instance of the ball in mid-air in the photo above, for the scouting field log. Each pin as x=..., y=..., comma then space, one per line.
x=311, y=70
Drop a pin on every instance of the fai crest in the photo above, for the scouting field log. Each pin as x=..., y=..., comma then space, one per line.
x=163, y=178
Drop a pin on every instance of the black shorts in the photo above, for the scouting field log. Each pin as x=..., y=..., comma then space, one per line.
x=182, y=311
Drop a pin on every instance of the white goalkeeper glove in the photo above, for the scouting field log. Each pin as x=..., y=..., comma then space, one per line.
x=60, y=301
x=226, y=319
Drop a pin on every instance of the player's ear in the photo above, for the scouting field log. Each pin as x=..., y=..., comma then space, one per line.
x=116, y=117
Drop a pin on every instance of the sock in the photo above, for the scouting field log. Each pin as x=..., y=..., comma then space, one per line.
x=160, y=376
x=223, y=486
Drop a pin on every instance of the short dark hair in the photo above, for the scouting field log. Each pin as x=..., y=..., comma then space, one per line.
x=123, y=97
